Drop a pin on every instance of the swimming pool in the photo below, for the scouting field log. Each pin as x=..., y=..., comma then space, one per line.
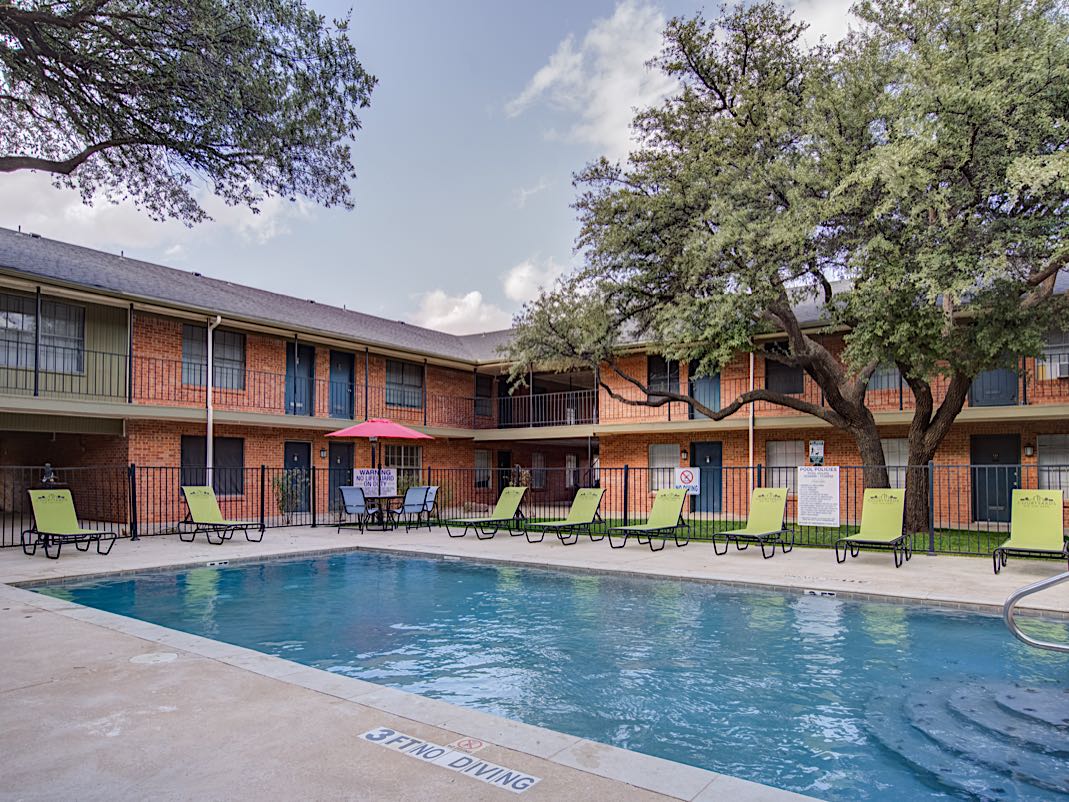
x=839, y=699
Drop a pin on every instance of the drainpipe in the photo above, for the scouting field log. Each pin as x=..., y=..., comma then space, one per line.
x=750, y=422
x=209, y=443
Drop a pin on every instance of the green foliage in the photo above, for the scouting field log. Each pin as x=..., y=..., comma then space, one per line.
x=915, y=172
x=141, y=99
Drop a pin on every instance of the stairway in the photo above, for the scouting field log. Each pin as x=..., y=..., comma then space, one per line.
x=994, y=741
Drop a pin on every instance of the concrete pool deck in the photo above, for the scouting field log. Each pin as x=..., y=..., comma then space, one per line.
x=100, y=706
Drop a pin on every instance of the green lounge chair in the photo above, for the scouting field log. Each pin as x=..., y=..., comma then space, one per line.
x=764, y=524
x=56, y=523
x=204, y=516
x=581, y=518
x=666, y=518
x=506, y=514
x=1035, y=527
x=882, y=516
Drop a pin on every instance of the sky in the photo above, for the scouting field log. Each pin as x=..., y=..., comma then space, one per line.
x=483, y=112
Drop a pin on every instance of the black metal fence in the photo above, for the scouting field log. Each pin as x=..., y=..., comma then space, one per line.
x=966, y=508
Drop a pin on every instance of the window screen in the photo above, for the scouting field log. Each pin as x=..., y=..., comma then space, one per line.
x=782, y=458
x=482, y=468
x=661, y=374
x=896, y=455
x=228, y=461
x=538, y=471
x=484, y=390
x=662, y=461
x=228, y=358
x=407, y=460
x=404, y=384
x=62, y=334
x=1054, y=363
x=1054, y=462
x=885, y=377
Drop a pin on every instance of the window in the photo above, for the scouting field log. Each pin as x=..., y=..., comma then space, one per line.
x=228, y=358
x=1054, y=462
x=1054, y=363
x=896, y=455
x=782, y=378
x=404, y=384
x=228, y=464
x=484, y=391
x=408, y=460
x=661, y=374
x=62, y=334
x=571, y=470
x=663, y=460
x=482, y=468
x=885, y=377
x=538, y=471
x=782, y=458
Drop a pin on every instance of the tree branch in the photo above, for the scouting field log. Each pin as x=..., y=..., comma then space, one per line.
x=9, y=164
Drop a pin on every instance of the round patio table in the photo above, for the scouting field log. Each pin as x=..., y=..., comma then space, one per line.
x=381, y=518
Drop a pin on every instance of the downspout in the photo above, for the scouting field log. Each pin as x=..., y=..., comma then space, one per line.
x=750, y=423
x=209, y=443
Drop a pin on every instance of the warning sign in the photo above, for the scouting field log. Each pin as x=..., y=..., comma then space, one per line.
x=689, y=479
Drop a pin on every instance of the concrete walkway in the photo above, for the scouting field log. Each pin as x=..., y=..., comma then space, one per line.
x=97, y=706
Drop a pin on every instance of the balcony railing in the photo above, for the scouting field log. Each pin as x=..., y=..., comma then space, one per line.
x=73, y=373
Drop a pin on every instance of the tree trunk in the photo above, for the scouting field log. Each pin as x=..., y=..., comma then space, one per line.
x=868, y=442
x=917, y=501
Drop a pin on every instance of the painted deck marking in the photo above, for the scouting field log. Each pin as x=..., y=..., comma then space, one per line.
x=450, y=758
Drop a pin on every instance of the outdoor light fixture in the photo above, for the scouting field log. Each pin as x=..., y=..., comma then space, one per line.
x=322, y=453
x=684, y=455
x=1029, y=451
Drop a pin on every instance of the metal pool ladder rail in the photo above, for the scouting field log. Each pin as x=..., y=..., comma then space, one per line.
x=1008, y=612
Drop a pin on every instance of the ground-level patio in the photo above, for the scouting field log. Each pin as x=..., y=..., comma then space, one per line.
x=101, y=706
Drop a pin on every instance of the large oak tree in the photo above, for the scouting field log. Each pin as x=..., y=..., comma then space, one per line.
x=912, y=179
x=144, y=99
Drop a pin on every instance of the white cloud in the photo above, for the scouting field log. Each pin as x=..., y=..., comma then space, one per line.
x=523, y=194
x=603, y=79
x=29, y=199
x=830, y=18
x=459, y=314
x=524, y=280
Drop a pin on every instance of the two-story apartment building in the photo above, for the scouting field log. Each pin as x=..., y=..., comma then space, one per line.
x=103, y=361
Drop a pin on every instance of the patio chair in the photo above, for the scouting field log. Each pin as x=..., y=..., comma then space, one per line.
x=581, y=518
x=412, y=508
x=506, y=515
x=55, y=523
x=355, y=504
x=1036, y=528
x=764, y=524
x=205, y=516
x=882, y=514
x=666, y=518
x=430, y=506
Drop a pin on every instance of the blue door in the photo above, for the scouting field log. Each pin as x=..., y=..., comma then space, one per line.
x=706, y=390
x=709, y=458
x=341, y=385
x=300, y=380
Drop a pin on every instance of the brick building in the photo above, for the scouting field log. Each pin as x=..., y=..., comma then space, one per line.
x=103, y=362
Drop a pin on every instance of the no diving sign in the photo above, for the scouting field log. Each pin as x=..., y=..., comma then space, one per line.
x=689, y=479
x=455, y=757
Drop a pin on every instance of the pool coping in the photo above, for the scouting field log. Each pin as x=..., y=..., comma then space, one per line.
x=647, y=772
x=1022, y=611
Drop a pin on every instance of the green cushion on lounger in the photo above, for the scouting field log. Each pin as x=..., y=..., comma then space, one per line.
x=584, y=509
x=1036, y=522
x=881, y=516
x=666, y=512
x=53, y=513
x=204, y=508
x=767, y=505
x=508, y=504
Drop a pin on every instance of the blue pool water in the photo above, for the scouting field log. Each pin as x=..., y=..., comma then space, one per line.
x=823, y=696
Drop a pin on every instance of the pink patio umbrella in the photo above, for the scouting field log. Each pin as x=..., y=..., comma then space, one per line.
x=377, y=428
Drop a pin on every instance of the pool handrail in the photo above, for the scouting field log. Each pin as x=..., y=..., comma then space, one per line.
x=1015, y=597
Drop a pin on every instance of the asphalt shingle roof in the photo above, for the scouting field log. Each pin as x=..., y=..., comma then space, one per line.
x=50, y=259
